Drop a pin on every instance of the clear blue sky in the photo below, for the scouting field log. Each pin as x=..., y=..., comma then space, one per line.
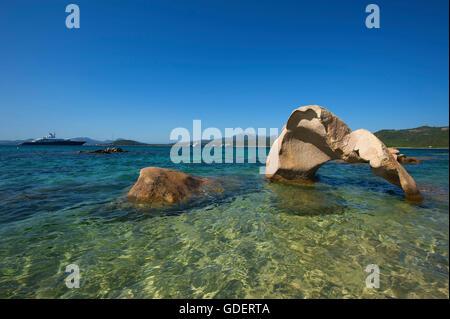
x=138, y=69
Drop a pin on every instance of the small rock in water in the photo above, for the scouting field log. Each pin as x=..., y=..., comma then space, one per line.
x=407, y=160
x=401, y=158
x=108, y=150
x=157, y=185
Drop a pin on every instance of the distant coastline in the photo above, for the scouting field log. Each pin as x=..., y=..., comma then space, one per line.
x=424, y=137
x=122, y=142
x=421, y=148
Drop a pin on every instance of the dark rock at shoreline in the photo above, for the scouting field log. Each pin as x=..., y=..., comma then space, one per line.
x=408, y=160
x=108, y=150
x=403, y=159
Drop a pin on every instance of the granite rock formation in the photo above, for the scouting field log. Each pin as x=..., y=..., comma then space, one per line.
x=157, y=185
x=313, y=136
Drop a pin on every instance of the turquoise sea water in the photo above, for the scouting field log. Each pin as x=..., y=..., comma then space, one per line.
x=254, y=240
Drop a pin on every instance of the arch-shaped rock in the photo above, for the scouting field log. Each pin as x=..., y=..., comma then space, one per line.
x=313, y=136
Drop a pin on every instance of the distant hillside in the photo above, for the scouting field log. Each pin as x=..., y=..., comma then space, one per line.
x=125, y=143
x=237, y=140
x=14, y=142
x=424, y=136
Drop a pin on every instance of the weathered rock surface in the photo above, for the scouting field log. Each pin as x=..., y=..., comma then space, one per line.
x=313, y=136
x=157, y=185
x=108, y=150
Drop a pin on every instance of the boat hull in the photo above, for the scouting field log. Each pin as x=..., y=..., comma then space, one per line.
x=58, y=143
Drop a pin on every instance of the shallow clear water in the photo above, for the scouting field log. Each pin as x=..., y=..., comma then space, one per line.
x=254, y=240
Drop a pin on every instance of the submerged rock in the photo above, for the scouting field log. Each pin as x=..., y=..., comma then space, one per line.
x=108, y=150
x=313, y=136
x=158, y=185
